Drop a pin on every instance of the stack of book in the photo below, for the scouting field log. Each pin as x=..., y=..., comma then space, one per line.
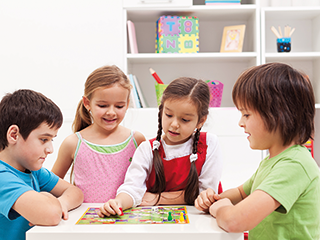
x=137, y=99
x=223, y=2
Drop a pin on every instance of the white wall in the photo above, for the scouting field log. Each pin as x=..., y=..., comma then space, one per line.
x=52, y=47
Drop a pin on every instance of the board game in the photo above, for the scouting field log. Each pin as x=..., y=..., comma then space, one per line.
x=139, y=215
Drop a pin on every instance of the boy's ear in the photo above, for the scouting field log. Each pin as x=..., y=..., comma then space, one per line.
x=201, y=122
x=86, y=102
x=13, y=134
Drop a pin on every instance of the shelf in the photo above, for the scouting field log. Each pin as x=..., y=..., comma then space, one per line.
x=298, y=13
x=153, y=58
x=305, y=41
x=305, y=20
x=208, y=63
x=292, y=56
x=204, y=13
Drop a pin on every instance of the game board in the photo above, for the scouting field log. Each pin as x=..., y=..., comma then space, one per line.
x=139, y=215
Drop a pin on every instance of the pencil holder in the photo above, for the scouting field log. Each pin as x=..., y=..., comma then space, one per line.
x=216, y=89
x=284, y=44
x=159, y=91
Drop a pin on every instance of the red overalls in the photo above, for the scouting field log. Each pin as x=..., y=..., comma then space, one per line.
x=177, y=170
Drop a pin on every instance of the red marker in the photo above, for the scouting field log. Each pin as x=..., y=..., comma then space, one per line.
x=155, y=75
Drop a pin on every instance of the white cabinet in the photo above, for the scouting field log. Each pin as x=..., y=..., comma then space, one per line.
x=209, y=63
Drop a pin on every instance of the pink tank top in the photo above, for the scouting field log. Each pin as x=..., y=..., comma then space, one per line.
x=99, y=169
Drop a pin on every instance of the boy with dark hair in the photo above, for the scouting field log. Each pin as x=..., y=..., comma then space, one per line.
x=282, y=198
x=29, y=194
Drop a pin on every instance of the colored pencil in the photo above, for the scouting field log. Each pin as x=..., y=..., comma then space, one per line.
x=155, y=75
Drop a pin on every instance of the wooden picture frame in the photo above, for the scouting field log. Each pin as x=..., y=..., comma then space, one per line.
x=232, y=38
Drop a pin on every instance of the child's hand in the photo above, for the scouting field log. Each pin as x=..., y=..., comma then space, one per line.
x=149, y=199
x=64, y=208
x=221, y=203
x=206, y=199
x=112, y=207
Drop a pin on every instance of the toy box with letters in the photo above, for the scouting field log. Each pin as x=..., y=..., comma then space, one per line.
x=177, y=34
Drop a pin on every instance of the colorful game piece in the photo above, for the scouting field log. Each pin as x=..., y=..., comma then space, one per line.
x=181, y=218
x=169, y=216
x=121, y=211
x=155, y=209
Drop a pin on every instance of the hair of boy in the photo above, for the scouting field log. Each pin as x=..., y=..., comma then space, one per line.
x=103, y=77
x=196, y=91
x=282, y=95
x=28, y=110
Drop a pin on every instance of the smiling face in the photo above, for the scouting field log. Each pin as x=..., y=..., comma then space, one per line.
x=179, y=120
x=108, y=106
x=258, y=136
x=31, y=153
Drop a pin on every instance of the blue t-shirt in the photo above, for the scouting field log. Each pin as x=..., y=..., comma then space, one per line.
x=13, y=183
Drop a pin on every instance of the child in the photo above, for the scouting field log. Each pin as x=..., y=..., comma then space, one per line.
x=100, y=149
x=282, y=198
x=29, y=194
x=171, y=168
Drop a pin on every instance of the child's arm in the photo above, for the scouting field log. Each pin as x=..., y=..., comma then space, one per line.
x=43, y=208
x=115, y=206
x=39, y=208
x=208, y=197
x=235, y=195
x=205, y=200
x=139, y=137
x=246, y=214
x=65, y=156
x=69, y=196
x=167, y=198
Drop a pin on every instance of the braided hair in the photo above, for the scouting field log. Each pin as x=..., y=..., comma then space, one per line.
x=198, y=92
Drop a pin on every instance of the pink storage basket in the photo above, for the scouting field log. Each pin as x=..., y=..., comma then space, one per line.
x=216, y=89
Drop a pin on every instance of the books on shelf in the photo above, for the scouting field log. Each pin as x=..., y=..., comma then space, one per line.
x=132, y=37
x=136, y=95
x=139, y=91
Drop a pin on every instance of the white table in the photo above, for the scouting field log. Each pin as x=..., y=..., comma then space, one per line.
x=201, y=226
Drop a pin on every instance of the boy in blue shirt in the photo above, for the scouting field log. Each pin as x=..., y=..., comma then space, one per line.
x=29, y=194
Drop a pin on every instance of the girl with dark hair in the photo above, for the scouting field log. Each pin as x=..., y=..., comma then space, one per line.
x=181, y=161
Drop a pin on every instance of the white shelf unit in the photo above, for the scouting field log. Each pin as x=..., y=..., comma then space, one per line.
x=209, y=63
x=305, y=41
x=305, y=47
